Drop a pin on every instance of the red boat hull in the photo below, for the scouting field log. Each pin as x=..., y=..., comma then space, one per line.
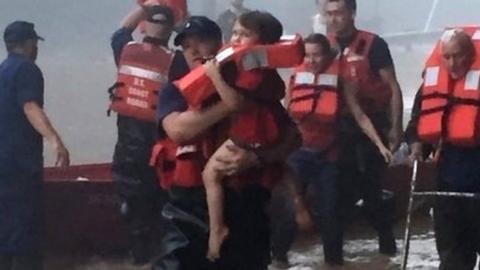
x=82, y=216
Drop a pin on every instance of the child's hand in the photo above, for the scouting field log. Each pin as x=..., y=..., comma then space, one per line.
x=212, y=69
x=387, y=155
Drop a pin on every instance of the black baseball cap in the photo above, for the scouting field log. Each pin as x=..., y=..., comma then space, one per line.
x=20, y=31
x=199, y=26
x=154, y=11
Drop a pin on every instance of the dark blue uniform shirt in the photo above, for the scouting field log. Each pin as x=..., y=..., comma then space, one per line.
x=21, y=157
x=21, y=146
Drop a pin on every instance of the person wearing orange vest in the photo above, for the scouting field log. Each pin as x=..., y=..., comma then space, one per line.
x=254, y=126
x=142, y=68
x=452, y=69
x=366, y=62
x=315, y=93
x=245, y=197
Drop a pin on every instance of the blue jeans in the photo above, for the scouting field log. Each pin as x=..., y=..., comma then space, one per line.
x=317, y=179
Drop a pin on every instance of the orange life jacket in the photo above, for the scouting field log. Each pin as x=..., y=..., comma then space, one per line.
x=314, y=95
x=179, y=8
x=450, y=108
x=180, y=166
x=142, y=71
x=196, y=87
x=374, y=95
x=314, y=105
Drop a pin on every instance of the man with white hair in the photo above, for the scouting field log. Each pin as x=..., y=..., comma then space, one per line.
x=452, y=66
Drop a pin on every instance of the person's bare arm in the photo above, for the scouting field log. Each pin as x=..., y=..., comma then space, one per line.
x=184, y=126
x=395, y=134
x=228, y=94
x=363, y=121
x=40, y=122
x=137, y=15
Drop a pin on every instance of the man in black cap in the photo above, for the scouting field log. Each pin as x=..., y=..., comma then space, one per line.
x=23, y=125
x=248, y=244
x=136, y=183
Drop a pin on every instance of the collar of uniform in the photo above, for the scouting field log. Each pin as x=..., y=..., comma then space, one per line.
x=345, y=41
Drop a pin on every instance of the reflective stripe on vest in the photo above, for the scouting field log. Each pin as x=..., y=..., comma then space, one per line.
x=315, y=96
x=196, y=87
x=142, y=72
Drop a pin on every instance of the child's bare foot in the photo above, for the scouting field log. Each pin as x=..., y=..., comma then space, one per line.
x=215, y=241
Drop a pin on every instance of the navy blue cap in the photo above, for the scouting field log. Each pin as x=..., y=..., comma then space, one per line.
x=199, y=26
x=20, y=31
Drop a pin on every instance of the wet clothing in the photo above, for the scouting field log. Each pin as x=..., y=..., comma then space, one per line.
x=135, y=137
x=456, y=220
x=361, y=165
x=248, y=244
x=135, y=180
x=21, y=146
x=316, y=177
x=457, y=230
x=21, y=158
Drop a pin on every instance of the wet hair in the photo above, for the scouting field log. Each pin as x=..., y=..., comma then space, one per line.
x=320, y=40
x=268, y=28
x=350, y=4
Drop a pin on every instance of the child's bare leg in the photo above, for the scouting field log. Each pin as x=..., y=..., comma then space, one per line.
x=213, y=186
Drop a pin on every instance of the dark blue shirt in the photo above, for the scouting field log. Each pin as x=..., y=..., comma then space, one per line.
x=21, y=146
x=170, y=99
x=459, y=168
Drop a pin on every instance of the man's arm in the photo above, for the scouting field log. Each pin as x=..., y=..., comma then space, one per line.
x=184, y=126
x=137, y=15
x=349, y=94
x=418, y=151
x=124, y=35
x=381, y=62
x=396, y=107
x=40, y=122
x=228, y=94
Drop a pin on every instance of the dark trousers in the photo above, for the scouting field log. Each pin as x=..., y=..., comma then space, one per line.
x=457, y=231
x=248, y=244
x=362, y=169
x=141, y=201
x=317, y=179
x=21, y=262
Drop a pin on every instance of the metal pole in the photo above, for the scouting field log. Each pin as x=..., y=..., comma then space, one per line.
x=449, y=194
x=406, y=241
x=430, y=16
